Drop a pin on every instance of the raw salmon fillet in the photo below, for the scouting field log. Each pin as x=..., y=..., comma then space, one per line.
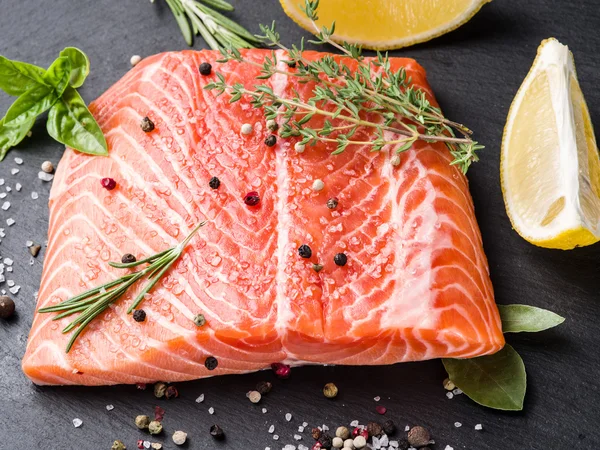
x=416, y=285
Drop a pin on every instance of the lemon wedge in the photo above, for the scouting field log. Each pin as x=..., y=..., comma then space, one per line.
x=386, y=24
x=550, y=169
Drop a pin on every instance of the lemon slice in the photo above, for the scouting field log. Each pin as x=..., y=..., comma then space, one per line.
x=550, y=169
x=386, y=24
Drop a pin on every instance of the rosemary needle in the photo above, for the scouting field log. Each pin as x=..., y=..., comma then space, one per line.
x=91, y=303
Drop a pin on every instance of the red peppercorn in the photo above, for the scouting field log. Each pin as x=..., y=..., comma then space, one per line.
x=317, y=446
x=140, y=443
x=381, y=409
x=360, y=431
x=281, y=370
x=159, y=413
x=108, y=183
x=252, y=198
x=141, y=386
x=171, y=392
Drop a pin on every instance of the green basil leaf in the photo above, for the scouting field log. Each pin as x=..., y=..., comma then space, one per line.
x=58, y=74
x=523, y=318
x=497, y=381
x=12, y=133
x=71, y=123
x=16, y=77
x=31, y=104
x=80, y=65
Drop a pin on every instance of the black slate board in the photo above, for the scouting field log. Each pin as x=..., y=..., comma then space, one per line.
x=475, y=72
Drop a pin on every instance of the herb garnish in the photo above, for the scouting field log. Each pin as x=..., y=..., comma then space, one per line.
x=346, y=96
x=195, y=17
x=93, y=302
x=39, y=90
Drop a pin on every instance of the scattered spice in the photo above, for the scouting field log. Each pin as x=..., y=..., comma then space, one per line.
x=264, y=387
x=205, y=69
x=360, y=431
x=316, y=433
x=340, y=259
x=271, y=141
x=330, y=390
x=304, y=251
x=118, y=445
x=318, y=185
x=35, y=250
x=142, y=422
x=349, y=443
x=179, y=437
x=147, y=125
x=389, y=427
x=252, y=198
x=332, y=203
x=48, y=167
x=160, y=389
x=325, y=440
x=159, y=413
x=140, y=443
x=281, y=370
x=155, y=427
x=156, y=446
x=135, y=60
x=299, y=147
x=254, y=396
x=211, y=363
x=381, y=409
x=317, y=446
x=272, y=125
x=318, y=267
x=141, y=386
x=7, y=307
x=374, y=429
x=217, y=432
x=360, y=442
x=214, y=183
x=418, y=437
x=139, y=315
x=337, y=442
x=449, y=385
x=108, y=183
x=171, y=392
x=199, y=320
x=395, y=161
x=342, y=432
x=128, y=258
x=403, y=444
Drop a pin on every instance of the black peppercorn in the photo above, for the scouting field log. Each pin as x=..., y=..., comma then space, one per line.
x=316, y=433
x=139, y=315
x=418, y=437
x=171, y=392
x=374, y=429
x=252, y=198
x=403, y=444
x=205, y=69
x=264, y=387
x=217, y=432
x=304, y=251
x=7, y=307
x=325, y=441
x=128, y=258
x=147, y=125
x=211, y=363
x=332, y=203
x=340, y=259
x=389, y=427
x=271, y=141
x=214, y=183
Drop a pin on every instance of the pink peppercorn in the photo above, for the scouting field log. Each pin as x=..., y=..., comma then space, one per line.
x=252, y=198
x=317, y=446
x=159, y=413
x=140, y=444
x=360, y=431
x=281, y=370
x=141, y=386
x=381, y=409
x=108, y=183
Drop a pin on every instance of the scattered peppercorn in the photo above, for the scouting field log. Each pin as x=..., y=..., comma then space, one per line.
x=199, y=320
x=316, y=433
x=349, y=443
x=139, y=315
x=304, y=251
x=340, y=259
x=318, y=185
x=118, y=445
x=271, y=140
x=360, y=431
x=156, y=446
x=160, y=389
x=332, y=203
x=7, y=307
x=171, y=392
x=214, y=183
x=142, y=422
x=217, y=432
x=179, y=437
x=108, y=183
x=403, y=444
x=281, y=370
x=205, y=69
x=389, y=427
x=135, y=60
x=299, y=147
x=155, y=427
x=159, y=413
x=342, y=432
x=381, y=409
x=360, y=442
x=47, y=167
x=252, y=198
x=418, y=437
x=374, y=429
x=140, y=444
x=325, y=441
x=330, y=390
x=254, y=396
x=147, y=125
x=337, y=442
x=128, y=258
x=395, y=161
x=318, y=267
x=246, y=129
x=317, y=446
x=35, y=250
x=211, y=363
x=272, y=125
x=264, y=387
x=449, y=385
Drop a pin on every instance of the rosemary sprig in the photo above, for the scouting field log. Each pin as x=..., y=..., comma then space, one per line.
x=400, y=113
x=93, y=302
x=200, y=17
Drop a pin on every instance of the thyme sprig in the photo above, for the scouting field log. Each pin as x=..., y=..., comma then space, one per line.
x=95, y=301
x=373, y=95
x=201, y=17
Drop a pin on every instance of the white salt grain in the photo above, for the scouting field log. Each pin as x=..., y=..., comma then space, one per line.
x=271, y=429
x=135, y=60
x=3, y=194
x=377, y=398
x=18, y=160
x=479, y=427
x=8, y=189
x=1, y=181
x=77, y=423
x=264, y=410
x=10, y=222
x=394, y=444
x=14, y=171
x=28, y=244
x=301, y=429
x=325, y=428
x=5, y=206
x=45, y=176
x=9, y=269
x=304, y=424
x=297, y=437
x=450, y=395
x=448, y=448
x=146, y=444
x=457, y=424
x=275, y=437
x=406, y=428
x=8, y=261
x=211, y=410
x=34, y=195
x=457, y=391
x=18, y=187
x=200, y=398
x=10, y=283
x=288, y=417
x=109, y=407
x=354, y=423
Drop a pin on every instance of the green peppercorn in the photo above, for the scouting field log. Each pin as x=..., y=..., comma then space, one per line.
x=160, y=389
x=118, y=445
x=142, y=422
x=330, y=390
x=155, y=427
x=199, y=320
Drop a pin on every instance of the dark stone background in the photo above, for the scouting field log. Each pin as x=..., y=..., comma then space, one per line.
x=475, y=72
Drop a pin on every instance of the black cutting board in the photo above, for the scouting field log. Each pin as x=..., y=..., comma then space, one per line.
x=475, y=72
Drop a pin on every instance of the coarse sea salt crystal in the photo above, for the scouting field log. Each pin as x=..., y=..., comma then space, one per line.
x=3, y=194
x=8, y=189
x=450, y=395
x=394, y=444
x=457, y=391
x=448, y=448
x=77, y=422
x=18, y=187
x=325, y=428
x=271, y=428
x=5, y=206
x=10, y=222
x=1, y=181
x=14, y=171
x=264, y=410
x=304, y=424
x=28, y=244
x=146, y=444
x=406, y=428
x=200, y=398
x=457, y=424
x=10, y=283
x=9, y=269
x=8, y=261
x=297, y=437
x=354, y=423
x=34, y=195
x=288, y=417
x=377, y=398
x=109, y=407
x=479, y=427
x=211, y=410
x=301, y=429
x=275, y=437
x=2, y=234
x=302, y=447
x=18, y=160
x=45, y=176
